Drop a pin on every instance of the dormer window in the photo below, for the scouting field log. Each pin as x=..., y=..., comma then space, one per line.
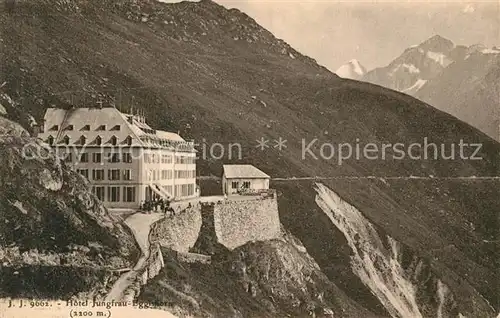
x=117, y=127
x=55, y=128
x=66, y=140
x=129, y=140
x=102, y=127
x=69, y=127
x=86, y=127
x=50, y=140
x=83, y=140
x=98, y=140
x=114, y=140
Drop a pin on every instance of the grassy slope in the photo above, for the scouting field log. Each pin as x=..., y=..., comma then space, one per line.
x=203, y=67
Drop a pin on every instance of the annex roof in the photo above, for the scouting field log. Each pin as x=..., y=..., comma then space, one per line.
x=243, y=171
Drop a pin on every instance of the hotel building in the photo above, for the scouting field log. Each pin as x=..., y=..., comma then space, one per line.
x=125, y=160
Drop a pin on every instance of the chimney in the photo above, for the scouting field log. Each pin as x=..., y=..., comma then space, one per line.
x=41, y=126
x=38, y=128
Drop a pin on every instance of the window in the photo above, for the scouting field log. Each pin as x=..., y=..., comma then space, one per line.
x=114, y=140
x=98, y=140
x=83, y=140
x=86, y=127
x=184, y=159
x=127, y=174
x=102, y=127
x=97, y=157
x=246, y=185
x=117, y=127
x=98, y=192
x=113, y=194
x=166, y=174
x=66, y=140
x=55, y=127
x=83, y=172
x=69, y=157
x=127, y=157
x=114, y=174
x=128, y=140
x=98, y=174
x=166, y=159
x=50, y=140
x=234, y=185
x=183, y=174
x=184, y=190
x=84, y=157
x=115, y=157
x=168, y=189
x=156, y=158
x=129, y=194
x=69, y=127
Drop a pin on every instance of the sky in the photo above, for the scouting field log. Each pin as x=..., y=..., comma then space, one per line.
x=334, y=32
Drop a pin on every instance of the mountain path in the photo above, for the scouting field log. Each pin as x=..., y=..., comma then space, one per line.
x=140, y=225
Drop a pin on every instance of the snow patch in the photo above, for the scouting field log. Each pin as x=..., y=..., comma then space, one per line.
x=415, y=87
x=353, y=70
x=358, y=69
x=412, y=68
x=438, y=57
x=490, y=51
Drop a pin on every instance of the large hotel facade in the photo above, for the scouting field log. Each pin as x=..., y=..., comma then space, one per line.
x=126, y=161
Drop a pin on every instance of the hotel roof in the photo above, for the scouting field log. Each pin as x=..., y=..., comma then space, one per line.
x=105, y=126
x=243, y=171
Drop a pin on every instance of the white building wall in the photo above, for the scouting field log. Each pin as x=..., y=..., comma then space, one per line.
x=169, y=173
x=105, y=166
x=145, y=169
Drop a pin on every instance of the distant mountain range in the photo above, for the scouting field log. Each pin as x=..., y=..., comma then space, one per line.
x=469, y=89
x=462, y=81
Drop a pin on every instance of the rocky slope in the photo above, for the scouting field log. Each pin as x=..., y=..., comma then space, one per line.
x=51, y=226
x=215, y=74
x=274, y=278
x=470, y=90
x=462, y=81
x=416, y=65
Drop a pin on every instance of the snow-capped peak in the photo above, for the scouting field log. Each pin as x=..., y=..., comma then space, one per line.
x=352, y=69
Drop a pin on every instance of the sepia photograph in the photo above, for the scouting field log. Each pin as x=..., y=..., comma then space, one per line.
x=249, y=158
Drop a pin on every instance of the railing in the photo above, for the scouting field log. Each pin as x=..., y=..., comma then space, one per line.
x=176, y=145
x=262, y=192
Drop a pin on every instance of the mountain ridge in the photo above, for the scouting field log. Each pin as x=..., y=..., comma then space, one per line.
x=452, y=78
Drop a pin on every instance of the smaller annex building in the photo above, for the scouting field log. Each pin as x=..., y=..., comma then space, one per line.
x=243, y=179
